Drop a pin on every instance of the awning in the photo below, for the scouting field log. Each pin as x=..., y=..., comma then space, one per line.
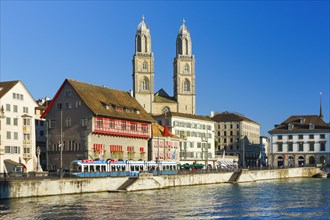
x=13, y=162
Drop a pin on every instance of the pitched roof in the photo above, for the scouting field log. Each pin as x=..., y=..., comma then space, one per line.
x=301, y=124
x=163, y=97
x=184, y=115
x=158, y=131
x=230, y=117
x=6, y=86
x=97, y=98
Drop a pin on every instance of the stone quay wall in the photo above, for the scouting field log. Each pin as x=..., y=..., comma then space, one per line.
x=47, y=187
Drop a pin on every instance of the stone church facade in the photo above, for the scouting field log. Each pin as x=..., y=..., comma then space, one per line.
x=184, y=85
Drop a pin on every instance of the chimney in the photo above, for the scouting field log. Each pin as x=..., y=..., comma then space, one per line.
x=212, y=114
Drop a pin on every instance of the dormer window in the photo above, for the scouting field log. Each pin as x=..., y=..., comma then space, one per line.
x=290, y=126
x=119, y=109
x=302, y=120
x=311, y=126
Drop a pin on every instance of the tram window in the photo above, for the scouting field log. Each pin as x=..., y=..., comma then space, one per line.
x=79, y=168
x=171, y=168
x=103, y=168
x=141, y=167
x=132, y=168
x=113, y=168
x=124, y=168
x=98, y=168
x=118, y=168
x=92, y=169
x=85, y=168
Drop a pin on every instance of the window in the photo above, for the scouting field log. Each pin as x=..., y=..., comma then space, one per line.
x=7, y=149
x=8, y=121
x=145, y=84
x=41, y=133
x=68, y=105
x=68, y=122
x=25, y=110
x=279, y=137
x=123, y=125
x=322, y=136
x=311, y=146
x=52, y=123
x=26, y=121
x=301, y=147
x=145, y=66
x=8, y=107
x=15, y=108
x=59, y=106
x=78, y=103
x=186, y=86
x=15, y=135
x=99, y=123
x=8, y=135
x=290, y=147
x=279, y=147
x=15, y=121
x=322, y=146
x=311, y=136
x=133, y=127
x=67, y=93
x=290, y=137
x=186, y=69
x=84, y=122
x=300, y=136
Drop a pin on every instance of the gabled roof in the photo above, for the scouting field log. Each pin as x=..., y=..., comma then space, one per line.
x=158, y=131
x=231, y=117
x=301, y=124
x=183, y=115
x=163, y=97
x=6, y=86
x=104, y=101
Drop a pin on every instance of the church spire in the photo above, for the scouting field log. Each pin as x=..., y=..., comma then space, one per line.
x=321, y=114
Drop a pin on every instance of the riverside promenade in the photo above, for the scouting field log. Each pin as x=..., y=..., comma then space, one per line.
x=17, y=188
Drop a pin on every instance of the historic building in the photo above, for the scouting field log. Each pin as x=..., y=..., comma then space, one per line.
x=17, y=128
x=184, y=88
x=87, y=122
x=300, y=140
x=197, y=133
x=164, y=146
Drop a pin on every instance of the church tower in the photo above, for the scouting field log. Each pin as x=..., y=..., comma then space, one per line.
x=184, y=73
x=143, y=67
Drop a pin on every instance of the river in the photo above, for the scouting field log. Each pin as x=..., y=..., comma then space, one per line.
x=281, y=199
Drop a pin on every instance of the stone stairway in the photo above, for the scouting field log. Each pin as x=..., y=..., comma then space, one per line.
x=127, y=183
x=234, y=177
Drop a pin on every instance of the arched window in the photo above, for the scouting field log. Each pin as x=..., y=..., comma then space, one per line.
x=186, y=68
x=186, y=86
x=145, y=84
x=145, y=66
x=186, y=44
x=138, y=42
x=145, y=44
x=280, y=161
x=311, y=160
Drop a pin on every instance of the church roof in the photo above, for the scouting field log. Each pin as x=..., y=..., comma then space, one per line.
x=143, y=27
x=183, y=29
x=162, y=97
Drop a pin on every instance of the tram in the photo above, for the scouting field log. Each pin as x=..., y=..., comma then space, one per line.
x=104, y=168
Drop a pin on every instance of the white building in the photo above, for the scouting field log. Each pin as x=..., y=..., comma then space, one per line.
x=197, y=133
x=300, y=140
x=17, y=134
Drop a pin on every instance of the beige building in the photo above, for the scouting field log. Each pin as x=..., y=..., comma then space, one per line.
x=184, y=99
x=237, y=135
x=17, y=128
x=88, y=122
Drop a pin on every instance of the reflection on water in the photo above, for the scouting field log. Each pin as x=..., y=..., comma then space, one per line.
x=292, y=198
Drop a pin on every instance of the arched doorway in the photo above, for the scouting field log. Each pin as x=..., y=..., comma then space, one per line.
x=280, y=161
x=291, y=161
x=311, y=160
x=301, y=161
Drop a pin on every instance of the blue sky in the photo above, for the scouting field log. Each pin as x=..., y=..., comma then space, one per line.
x=267, y=60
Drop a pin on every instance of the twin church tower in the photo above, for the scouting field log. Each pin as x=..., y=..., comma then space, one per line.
x=184, y=98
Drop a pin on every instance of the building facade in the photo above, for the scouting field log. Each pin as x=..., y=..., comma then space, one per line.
x=237, y=135
x=184, y=88
x=164, y=146
x=17, y=128
x=87, y=122
x=300, y=140
x=197, y=133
